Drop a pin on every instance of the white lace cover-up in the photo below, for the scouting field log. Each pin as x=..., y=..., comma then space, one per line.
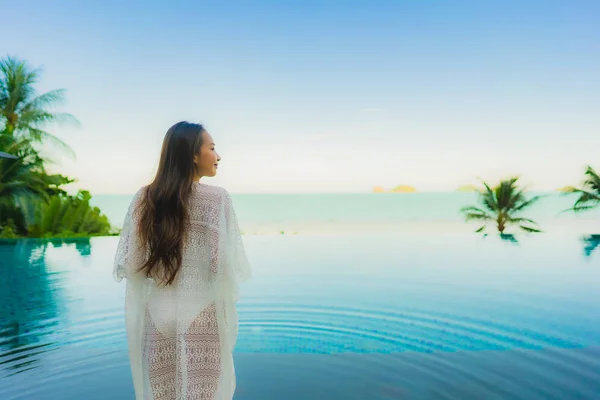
x=181, y=337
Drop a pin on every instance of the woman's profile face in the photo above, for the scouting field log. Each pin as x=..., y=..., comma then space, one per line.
x=208, y=158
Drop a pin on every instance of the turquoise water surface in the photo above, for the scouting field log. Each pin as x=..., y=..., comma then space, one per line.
x=438, y=315
x=373, y=212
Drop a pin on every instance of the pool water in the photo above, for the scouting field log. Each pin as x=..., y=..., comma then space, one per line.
x=330, y=316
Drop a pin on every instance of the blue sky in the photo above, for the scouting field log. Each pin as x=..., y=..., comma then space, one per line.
x=323, y=96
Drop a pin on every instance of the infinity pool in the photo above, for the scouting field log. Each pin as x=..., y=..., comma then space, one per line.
x=330, y=316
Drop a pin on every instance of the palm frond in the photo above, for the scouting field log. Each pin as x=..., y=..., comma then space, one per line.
x=578, y=209
x=64, y=118
x=586, y=199
x=503, y=194
x=516, y=197
x=18, y=83
x=488, y=198
x=36, y=118
x=476, y=214
x=478, y=217
x=32, y=119
x=593, y=180
x=589, y=195
x=530, y=229
x=520, y=220
x=39, y=135
x=527, y=203
x=471, y=209
x=43, y=101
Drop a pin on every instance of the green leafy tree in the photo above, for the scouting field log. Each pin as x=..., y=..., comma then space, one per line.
x=65, y=216
x=589, y=194
x=501, y=206
x=23, y=113
x=33, y=202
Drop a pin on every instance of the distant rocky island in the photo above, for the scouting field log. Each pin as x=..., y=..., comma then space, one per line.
x=469, y=188
x=397, y=189
x=566, y=189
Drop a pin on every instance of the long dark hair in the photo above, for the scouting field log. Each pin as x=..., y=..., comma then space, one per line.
x=164, y=208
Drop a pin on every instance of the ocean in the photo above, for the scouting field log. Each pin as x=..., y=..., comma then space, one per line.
x=372, y=212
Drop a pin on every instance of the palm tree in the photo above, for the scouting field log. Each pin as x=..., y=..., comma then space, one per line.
x=589, y=195
x=23, y=113
x=24, y=118
x=24, y=177
x=501, y=205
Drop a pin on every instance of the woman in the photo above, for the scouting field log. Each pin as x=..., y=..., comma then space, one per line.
x=182, y=254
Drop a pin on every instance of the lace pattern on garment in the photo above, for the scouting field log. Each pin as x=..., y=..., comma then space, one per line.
x=186, y=332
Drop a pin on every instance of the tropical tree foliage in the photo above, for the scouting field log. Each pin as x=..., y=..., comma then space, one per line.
x=589, y=194
x=23, y=113
x=63, y=215
x=502, y=206
x=33, y=202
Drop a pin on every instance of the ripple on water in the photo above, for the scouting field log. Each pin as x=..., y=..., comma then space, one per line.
x=386, y=330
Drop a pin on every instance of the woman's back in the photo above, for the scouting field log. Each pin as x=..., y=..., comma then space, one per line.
x=193, y=288
x=182, y=254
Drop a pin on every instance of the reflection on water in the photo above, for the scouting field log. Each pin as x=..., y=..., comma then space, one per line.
x=31, y=299
x=359, y=316
x=509, y=237
x=83, y=245
x=591, y=243
x=29, y=303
